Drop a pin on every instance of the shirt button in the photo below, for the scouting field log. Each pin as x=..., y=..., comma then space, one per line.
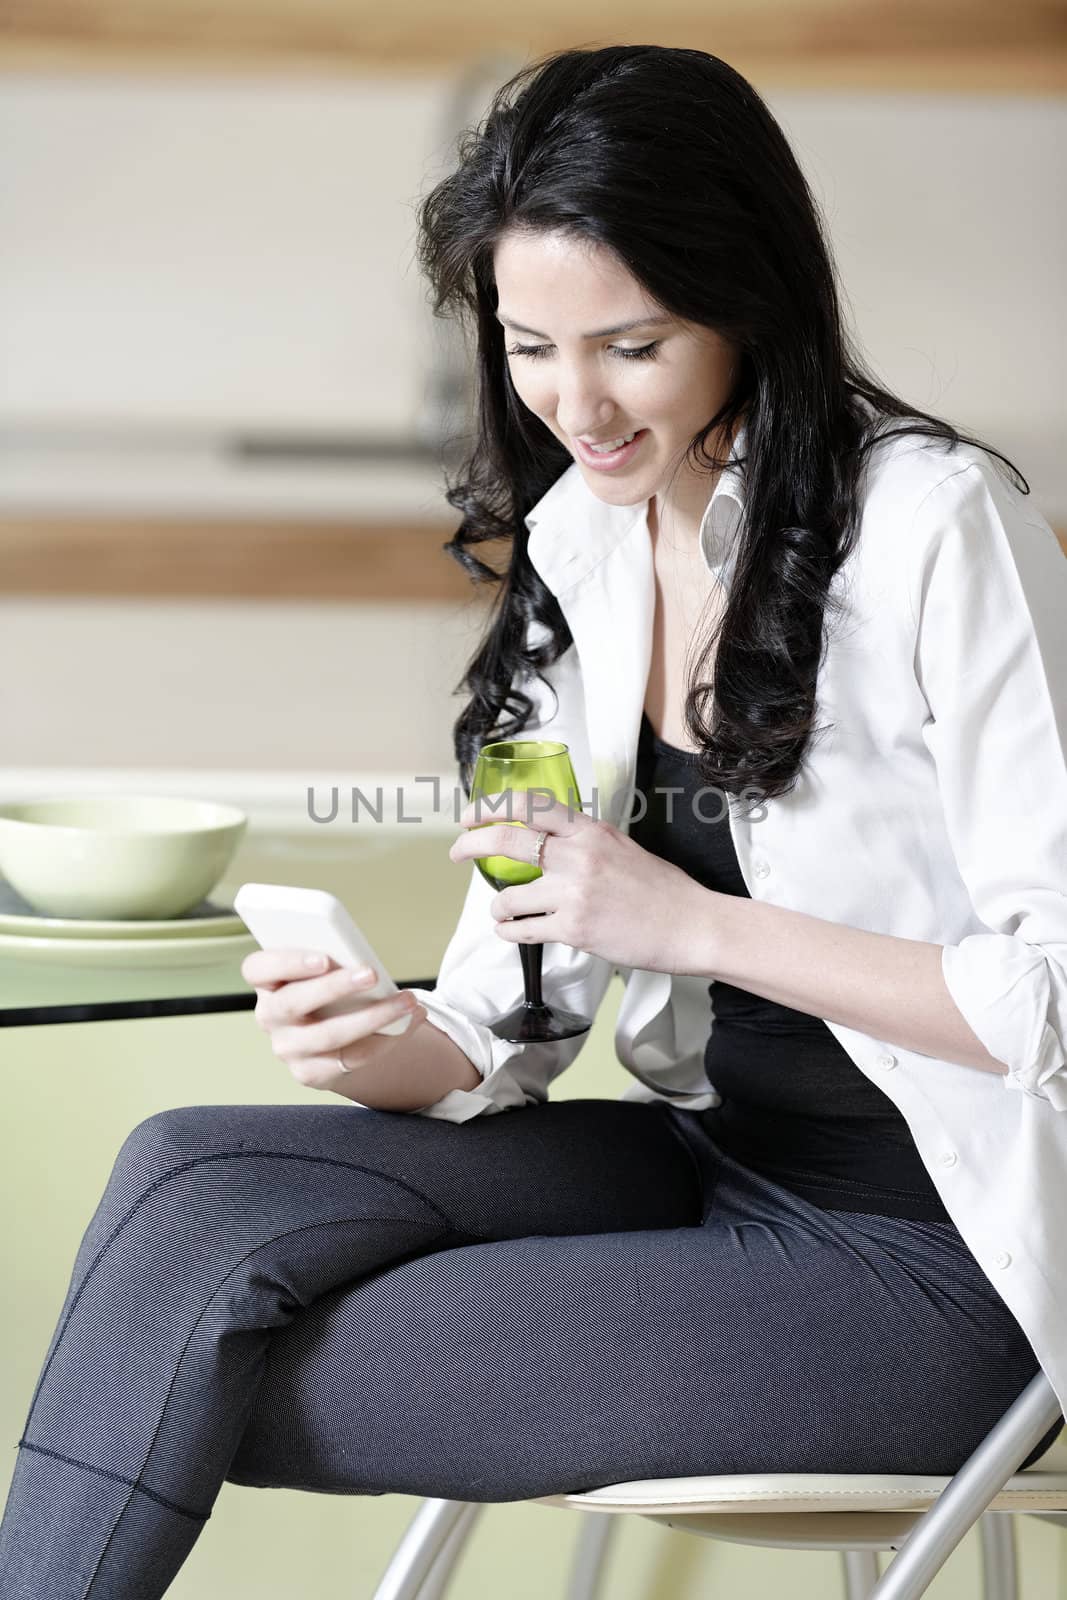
x=1002, y=1258
x=948, y=1158
x=887, y=1061
x=761, y=869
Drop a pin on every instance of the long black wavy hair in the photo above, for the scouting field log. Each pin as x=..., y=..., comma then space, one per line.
x=636, y=147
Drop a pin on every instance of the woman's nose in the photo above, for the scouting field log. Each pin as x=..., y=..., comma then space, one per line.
x=583, y=405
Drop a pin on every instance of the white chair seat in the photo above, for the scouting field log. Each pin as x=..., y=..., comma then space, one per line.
x=1042, y=1486
x=797, y=1511
x=808, y=1491
x=816, y=1510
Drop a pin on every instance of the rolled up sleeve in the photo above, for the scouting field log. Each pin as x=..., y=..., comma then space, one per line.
x=990, y=600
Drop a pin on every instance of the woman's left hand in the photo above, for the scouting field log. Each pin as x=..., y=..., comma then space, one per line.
x=599, y=891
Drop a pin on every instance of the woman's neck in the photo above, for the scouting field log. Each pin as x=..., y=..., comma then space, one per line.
x=680, y=511
x=680, y=518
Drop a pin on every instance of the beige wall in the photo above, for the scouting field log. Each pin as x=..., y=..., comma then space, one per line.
x=336, y=689
x=948, y=218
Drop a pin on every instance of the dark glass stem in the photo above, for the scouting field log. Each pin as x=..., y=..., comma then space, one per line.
x=533, y=1021
x=532, y=958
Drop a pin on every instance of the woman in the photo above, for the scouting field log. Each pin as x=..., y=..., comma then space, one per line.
x=823, y=1237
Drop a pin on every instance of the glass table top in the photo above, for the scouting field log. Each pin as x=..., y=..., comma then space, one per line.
x=33, y=991
x=404, y=892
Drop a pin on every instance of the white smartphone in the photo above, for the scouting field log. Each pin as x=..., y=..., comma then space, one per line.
x=282, y=917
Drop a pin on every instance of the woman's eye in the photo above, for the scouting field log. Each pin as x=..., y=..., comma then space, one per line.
x=645, y=352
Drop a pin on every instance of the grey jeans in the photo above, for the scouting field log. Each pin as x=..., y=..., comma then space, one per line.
x=360, y=1302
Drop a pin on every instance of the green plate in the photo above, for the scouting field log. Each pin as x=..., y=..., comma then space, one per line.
x=128, y=952
x=209, y=919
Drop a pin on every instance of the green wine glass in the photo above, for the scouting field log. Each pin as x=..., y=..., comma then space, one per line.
x=535, y=768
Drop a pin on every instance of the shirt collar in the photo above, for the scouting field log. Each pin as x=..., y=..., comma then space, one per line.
x=571, y=531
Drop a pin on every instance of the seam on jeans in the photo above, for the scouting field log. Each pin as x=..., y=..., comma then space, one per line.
x=186, y=1166
x=117, y=1477
x=332, y=1222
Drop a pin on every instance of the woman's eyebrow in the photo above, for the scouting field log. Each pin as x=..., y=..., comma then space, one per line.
x=604, y=333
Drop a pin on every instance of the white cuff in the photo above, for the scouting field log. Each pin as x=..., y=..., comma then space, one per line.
x=498, y=1090
x=1002, y=987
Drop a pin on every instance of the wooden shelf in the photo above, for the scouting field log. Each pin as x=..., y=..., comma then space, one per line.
x=956, y=45
x=230, y=560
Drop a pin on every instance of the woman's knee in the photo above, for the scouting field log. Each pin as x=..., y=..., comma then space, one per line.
x=167, y=1139
x=187, y=1133
x=240, y=1170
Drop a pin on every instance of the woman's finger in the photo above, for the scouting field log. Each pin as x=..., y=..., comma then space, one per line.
x=268, y=969
x=531, y=930
x=532, y=807
x=297, y=1000
x=324, y=1072
x=365, y=1051
x=525, y=900
x=328, y=1037
x=503, y=839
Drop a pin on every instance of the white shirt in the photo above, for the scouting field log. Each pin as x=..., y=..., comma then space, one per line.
x=935, y=809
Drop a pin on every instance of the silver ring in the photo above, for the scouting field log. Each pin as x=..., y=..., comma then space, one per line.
x=539, y=853
x=341, y=1064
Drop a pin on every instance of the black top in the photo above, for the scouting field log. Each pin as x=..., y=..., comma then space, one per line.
x=795, y=1107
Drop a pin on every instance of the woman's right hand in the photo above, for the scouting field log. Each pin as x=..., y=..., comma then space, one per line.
x=289, y=996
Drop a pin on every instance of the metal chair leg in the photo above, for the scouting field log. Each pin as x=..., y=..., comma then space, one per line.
x=861, y=1573
x=959, y=1506
x=443, y=1569
x=1000, y=1572
x=420, y=1547
x=595, y=1538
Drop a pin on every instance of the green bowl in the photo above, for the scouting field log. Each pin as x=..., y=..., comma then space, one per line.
x=122, y=856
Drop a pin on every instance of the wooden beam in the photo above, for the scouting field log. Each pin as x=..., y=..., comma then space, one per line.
x=245, y=560
x=181, y=559
x=954, y=45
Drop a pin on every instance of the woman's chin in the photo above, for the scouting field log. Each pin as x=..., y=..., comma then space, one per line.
x=621, y=491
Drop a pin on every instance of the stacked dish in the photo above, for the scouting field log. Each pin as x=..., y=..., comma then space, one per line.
x=113, y=880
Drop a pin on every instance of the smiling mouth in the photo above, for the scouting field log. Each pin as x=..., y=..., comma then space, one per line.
x=609, y=444
x=612, y=453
